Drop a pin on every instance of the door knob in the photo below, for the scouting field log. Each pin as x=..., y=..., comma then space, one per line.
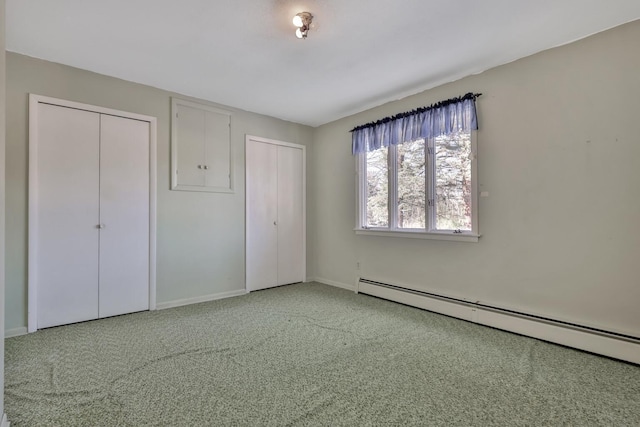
x=101, y=226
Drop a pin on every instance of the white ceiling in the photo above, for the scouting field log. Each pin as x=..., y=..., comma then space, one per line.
x=244, y=54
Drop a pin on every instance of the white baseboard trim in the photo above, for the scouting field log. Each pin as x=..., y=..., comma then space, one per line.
x=16, y=332
x=195, y=300
x=335, y=284
x=594, y=343
x=5, y=422
x=606, y=345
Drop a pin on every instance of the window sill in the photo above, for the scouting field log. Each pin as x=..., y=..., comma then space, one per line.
x=453, y=237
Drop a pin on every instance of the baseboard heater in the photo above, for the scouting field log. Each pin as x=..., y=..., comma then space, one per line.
x=599, y=341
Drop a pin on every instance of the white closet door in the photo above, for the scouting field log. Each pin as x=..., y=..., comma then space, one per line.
x=66, y=233
x=124, y=216
x=290, y=216
x=261, y=215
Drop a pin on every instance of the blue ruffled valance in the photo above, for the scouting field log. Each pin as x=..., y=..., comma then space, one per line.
x=444, y=118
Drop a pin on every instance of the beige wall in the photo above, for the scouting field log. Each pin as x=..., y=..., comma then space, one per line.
x=2, y=200
x=559, y=151
x=558, y=154
x=200, y=244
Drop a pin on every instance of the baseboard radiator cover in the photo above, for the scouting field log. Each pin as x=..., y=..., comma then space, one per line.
x=606, y=343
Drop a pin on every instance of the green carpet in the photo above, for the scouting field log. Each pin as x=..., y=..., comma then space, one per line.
x=307, y=354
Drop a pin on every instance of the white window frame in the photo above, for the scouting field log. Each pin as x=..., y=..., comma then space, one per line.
x=428, y=233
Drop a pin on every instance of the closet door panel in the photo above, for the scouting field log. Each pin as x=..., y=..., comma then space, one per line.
x=261, y=215
x=217, y=150
x=124, y=215
x=290, y=216
x=191, y=133
x=67, y=206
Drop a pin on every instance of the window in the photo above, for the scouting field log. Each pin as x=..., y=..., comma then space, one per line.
x=417, y=172
x=423, y=188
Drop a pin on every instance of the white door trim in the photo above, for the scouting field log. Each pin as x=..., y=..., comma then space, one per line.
x=304, y=198
x=34, y=100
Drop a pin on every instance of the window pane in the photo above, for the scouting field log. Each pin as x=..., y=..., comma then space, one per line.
x=411, y=185
x=453, y=182
x=377, y=188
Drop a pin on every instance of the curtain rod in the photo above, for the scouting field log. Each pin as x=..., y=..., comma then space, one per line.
x=418, y=110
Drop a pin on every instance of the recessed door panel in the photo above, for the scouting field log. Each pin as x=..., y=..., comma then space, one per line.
x=261, y=215
x=191, y=132
x=217, y=150
x=290, y=216
x=65, y=249
x=124, y=216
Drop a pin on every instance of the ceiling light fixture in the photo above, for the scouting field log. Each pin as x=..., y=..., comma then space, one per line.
x=302, y=20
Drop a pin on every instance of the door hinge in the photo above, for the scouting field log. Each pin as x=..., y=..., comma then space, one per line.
x=430, y=202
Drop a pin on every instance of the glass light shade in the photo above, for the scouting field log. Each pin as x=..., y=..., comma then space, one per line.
x=299, y=33
x=297, y=21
